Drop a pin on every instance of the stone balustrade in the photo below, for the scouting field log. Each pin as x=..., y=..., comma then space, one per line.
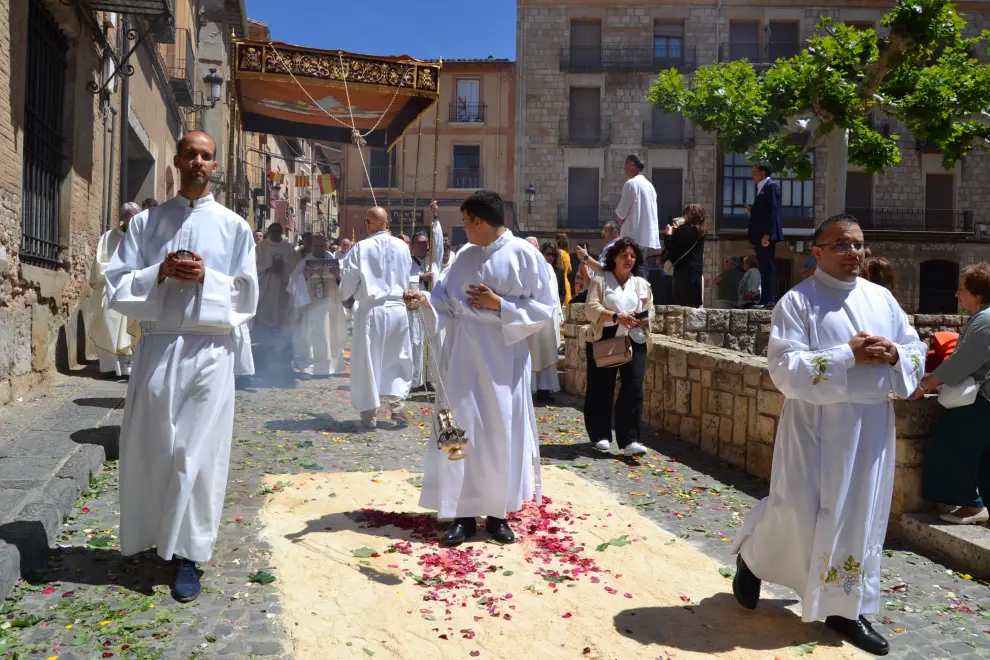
x=724, y=400
x=748, y=330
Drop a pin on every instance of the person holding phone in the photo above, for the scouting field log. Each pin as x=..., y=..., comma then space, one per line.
x=619, y=304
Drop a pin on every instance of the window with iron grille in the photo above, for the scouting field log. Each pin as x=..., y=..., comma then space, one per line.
x=44, y=114
x=797, y=198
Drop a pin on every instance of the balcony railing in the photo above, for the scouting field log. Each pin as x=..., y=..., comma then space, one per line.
x=583, y=216
x=585, y=133
x=180, y=65
x=666, y=134
x=758, y=53
x=923, y=220
x=379, y=177
x=467, y=113
x=881, y=126
x=465, y=178
x=925, y=144
x=625, y=58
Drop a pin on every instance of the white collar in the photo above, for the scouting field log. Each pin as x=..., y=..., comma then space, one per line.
x=832, y=282
x=194, y=203
x=760, y=185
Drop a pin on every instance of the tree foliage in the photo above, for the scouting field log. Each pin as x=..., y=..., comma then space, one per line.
x=924, y=72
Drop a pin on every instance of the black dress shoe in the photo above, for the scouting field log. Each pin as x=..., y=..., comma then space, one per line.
x=860, y=634
x=745, y=585
x=500, y=530
x=417, y=390
x=459, y=531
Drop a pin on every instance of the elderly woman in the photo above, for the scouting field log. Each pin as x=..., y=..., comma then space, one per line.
x=957, y=467
x=619, y=304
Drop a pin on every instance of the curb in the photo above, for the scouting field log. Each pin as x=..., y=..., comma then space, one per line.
x=966, y=547
x=42, y=473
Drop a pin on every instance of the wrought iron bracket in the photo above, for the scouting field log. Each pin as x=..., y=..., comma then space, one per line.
x=124, y=67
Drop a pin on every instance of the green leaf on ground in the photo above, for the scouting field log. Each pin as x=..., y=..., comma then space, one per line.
x=556, y=579
x=602, y=547
x=25, y=621
x=363, y=553
x=726, y=572
x=368, y=651
x=804, y=649
x=100, y=541
x=580, y=466
x=261, y=577
x=429, y=617
x=305, y=444
x=310, y=466
x=506, y=573
x=621, y=541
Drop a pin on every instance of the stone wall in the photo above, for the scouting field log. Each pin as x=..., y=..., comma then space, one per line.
x=743, y=330
x=40, y=307
x=724, y=402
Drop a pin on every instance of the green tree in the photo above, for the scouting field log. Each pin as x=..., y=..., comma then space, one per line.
x=925, y=73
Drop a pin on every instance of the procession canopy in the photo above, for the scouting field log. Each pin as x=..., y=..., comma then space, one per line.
x=279, y=86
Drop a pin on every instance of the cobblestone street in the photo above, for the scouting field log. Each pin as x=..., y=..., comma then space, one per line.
x=89, y=602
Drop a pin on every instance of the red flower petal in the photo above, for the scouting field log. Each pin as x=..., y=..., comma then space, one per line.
x=567, y=615
x=49, y=590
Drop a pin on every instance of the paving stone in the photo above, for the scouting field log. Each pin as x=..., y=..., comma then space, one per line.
x=83, y=463
x=28, y=469
x=10, y=566
x=11, y=501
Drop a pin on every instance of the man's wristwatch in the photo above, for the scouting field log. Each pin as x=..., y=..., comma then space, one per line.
x=615, y=317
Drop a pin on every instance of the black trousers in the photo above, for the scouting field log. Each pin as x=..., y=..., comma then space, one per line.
x=768, y=272
x=598, y=409
x=687, y=289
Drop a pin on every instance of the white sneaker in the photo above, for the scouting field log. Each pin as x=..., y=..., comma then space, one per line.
x=603, y=445
x=634, y=449
x=369, y=419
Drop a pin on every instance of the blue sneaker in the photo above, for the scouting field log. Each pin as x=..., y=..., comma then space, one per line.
x=187, y=586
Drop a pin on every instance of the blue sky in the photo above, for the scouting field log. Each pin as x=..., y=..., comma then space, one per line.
x=426, y=29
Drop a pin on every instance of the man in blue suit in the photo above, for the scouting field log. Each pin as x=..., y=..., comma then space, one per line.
x=765, y=230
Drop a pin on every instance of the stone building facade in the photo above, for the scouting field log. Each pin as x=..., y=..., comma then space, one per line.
x=62, y=129
x=475, y=150
x=583, y=72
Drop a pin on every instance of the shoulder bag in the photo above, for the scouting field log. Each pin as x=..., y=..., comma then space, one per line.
x=614, y=352
x=960, y=394
x=668, y=266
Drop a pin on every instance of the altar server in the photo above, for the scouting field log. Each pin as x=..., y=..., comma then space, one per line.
x=275, y=261
x=492, y=298
x=425, y=269
x=375, y=273
x=108, y=328
x=544, y=346
x=186, y=271
x=321, y=313
x=839, y=346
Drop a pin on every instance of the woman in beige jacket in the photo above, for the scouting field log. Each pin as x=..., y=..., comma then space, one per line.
x=619, y=304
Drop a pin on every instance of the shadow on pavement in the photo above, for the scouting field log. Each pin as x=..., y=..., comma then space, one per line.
x=107, y=437
x=718, y=625
x=100, y=402
x=140, y=573
x=316, y=422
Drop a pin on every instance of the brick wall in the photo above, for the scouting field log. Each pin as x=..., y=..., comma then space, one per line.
x=724, y=402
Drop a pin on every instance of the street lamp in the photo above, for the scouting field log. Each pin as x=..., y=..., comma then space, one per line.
x=215, y=81
x=530, y=198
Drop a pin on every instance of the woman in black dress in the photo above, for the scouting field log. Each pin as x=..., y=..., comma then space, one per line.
x=686, y=251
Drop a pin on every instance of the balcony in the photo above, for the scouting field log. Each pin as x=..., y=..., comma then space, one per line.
x=926, y=144
x=881, y=126
x=585, y=133
x=666, y=134
x=180, y=65
x=379, y=177
x=643, y=59
x=757, y=53
x=157, y=13
x=465, y=178
x=580, y=216
x=959, y=221
x=467, y=113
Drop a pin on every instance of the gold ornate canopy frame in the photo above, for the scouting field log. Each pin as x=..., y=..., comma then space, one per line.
x=316, y=94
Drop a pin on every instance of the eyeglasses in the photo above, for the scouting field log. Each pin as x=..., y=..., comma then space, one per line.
x=842, y=247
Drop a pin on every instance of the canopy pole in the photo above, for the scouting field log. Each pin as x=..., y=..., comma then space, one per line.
x=402, y=189
x=419, y=145
x=433, y=197
x=229, y=192
x=388, y=183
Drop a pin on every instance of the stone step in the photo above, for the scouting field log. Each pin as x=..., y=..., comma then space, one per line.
x=965, y=547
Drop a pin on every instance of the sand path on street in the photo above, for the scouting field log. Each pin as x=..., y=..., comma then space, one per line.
x=372, y=590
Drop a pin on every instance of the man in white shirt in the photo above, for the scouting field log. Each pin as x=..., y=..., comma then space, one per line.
x=637, y=209
x=186, y=271
x=376, y=274
x=425, y=268
x=839, y=347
